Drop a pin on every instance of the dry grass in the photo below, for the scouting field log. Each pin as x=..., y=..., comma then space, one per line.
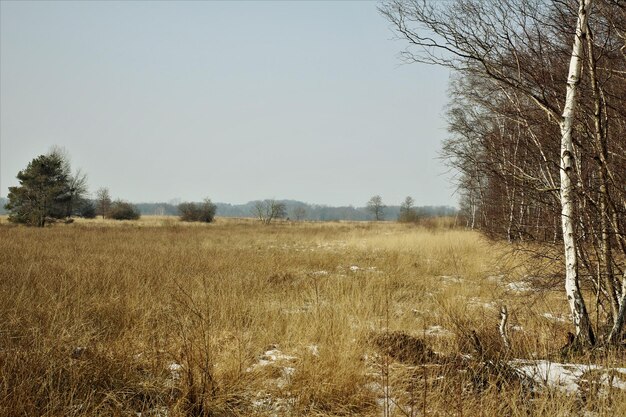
x=236, y=318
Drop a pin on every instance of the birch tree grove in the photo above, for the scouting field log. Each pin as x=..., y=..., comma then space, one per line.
x=537, y=121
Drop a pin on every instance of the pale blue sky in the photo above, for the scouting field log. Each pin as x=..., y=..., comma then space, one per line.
x=232, y=100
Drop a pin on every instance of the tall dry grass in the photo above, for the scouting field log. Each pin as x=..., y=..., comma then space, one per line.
x=236, y=318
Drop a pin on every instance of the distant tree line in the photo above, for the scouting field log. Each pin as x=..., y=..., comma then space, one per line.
x=48, y=191
x=297, y=210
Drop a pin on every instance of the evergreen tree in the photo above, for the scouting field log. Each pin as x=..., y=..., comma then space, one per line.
x=42, y=192
x=47, y=191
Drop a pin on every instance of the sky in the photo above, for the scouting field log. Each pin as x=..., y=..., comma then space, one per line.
x=235, y=101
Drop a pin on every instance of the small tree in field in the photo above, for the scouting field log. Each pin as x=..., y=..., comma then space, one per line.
x=376, y=207
x=269, y=210
x=47, y=191
x=192, y=212
x=103, y=202
x=299, y=213
x=408, y=214
x=122, y=210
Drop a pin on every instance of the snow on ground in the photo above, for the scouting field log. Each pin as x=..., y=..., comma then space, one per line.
x=520, y=286
x=568, y=377
x=553, y=317
x=270, y=357
x=438, y=331
x=356, y=268
x=450, y=279
x=155, y=412
x=268, y=401
x=495, y=278
x=479, y=302
x=385, y=401
x=175, y=370
x=314, y=350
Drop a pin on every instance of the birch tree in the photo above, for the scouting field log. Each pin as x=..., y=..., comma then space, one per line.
x=584, y=331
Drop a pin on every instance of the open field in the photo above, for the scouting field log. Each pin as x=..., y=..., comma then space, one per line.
x=235, y=318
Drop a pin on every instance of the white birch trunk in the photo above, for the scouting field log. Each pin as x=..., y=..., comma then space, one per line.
x=504, y=334
x=584, y=332
x=618, y=324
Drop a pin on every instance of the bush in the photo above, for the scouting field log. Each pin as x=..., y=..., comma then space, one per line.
x=121, y=210
x=193, y=212
x=408, y=216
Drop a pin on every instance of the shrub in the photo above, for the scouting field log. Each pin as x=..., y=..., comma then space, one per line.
x=193, y=212
x=122, y=210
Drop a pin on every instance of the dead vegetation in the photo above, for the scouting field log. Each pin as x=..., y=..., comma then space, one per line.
x=235, y=318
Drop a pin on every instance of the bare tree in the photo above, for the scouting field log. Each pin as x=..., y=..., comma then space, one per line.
x=103, y=202
x=76, y=189
x=299, y=213
x=376, y=207
x=270, y=209
x=408, y=214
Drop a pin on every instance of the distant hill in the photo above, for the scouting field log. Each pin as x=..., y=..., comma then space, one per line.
x=3, y=201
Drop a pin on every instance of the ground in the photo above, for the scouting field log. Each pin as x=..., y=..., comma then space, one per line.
x=158, y=317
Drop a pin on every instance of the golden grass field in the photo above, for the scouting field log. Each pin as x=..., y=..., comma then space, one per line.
x=162, y=318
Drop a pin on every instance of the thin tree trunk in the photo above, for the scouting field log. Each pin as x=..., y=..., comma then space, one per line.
x=618, y=323
x=584, y=331
x=606, y=256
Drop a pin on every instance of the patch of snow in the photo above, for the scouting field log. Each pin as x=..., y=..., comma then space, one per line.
x=552, y=317
x=174, y=366
x=313, y=350
x=288, y=371
x=354, y=268
x=450, y=278
x=175, y=370
x=495, y=278
x=267, y=402
x=478, y=302
x=519, y=286
x=270, y=357
x=277, y=355
x=155, y=412
x=384, y=399
x=320, y=273
x=275, y=406
x=438, y=331
x=78, y=352
x=567, y=376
